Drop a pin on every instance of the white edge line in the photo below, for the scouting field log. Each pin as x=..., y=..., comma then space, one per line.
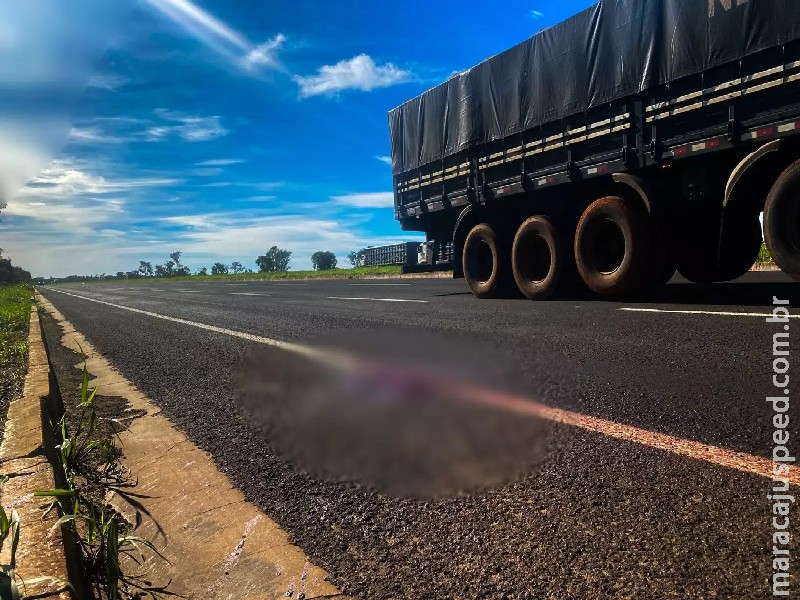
x=702, y=312
x=378, y=284
x=379, y=299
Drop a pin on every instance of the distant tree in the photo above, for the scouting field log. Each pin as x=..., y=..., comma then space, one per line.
x=176, y=258
x=275, y=260
x=165, y=270
x=237, y=267
x=323, y=261
x=354, y=258
x=145, y=269
x=218, y=269
x=133, y=275
x=183, y=271
x=202, y=271
x=121, y=275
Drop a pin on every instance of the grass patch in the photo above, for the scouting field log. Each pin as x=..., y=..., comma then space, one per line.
x=15, y=314
x=764, y=255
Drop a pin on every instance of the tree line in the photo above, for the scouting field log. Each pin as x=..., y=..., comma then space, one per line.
x=275, y=260
x=10, y=273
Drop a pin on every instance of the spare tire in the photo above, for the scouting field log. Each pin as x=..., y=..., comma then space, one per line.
x=485, y=263
x=782, y=221
x=540, y=262
x=612, y=246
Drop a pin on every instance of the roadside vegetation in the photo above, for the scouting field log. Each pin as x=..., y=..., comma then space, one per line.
x=15, y=314
x=275, y=263
x=88, y=467
x=764, y=257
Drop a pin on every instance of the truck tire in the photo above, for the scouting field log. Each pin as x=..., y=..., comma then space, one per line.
x=782, y=221
x=539, y=260
x=485, y=262
x=612, y=246
x=703, y=262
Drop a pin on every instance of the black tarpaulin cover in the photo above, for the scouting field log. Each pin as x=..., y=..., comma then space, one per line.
x=611, y=50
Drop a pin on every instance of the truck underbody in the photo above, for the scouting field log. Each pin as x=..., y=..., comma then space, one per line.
x=623, y=194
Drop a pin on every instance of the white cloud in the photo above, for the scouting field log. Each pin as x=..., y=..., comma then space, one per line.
x=106, y=81
x=266, y=54
x=358, y=73
x=190, y=128
x=166, y=125
x=536, y=15
x=385, y=159
x=369, y=200
x=218, y=184
x=93, y=135
x=68, y=199
x=63, y=179
x=112, y=243
x=195, y=221
x=220, y=37
x=219, y=162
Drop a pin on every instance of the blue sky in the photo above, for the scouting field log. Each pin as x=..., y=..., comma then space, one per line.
x=220, y=128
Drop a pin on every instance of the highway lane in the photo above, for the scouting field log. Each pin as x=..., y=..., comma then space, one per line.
x=595, y=517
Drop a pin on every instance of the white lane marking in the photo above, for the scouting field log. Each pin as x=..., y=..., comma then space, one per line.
x=377, y=284
x=319, y=355
x=378, y=299
x=246, y=294
x=189, y=291
x=702, y=312
x=715, y=455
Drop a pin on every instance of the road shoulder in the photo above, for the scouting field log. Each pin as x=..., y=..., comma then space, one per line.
x=41, y=567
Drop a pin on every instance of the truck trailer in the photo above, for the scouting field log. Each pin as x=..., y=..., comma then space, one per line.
x=404, y=253
x=637, y=138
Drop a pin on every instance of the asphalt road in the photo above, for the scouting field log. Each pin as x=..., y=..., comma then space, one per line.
x=400, y=498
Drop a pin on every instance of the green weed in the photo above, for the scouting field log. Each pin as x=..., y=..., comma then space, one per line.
x=9, y=528
x=85, y=455
x=764, y=255
x=15, y=314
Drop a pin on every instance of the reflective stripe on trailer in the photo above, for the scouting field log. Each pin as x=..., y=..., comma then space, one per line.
x=698, y=147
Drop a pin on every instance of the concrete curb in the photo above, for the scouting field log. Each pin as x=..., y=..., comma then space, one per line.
x=41, y=551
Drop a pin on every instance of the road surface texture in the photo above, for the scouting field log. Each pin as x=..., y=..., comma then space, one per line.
x=401, y=488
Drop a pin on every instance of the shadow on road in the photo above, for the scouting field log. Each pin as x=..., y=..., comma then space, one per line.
x=736, y=293
x=756, y=289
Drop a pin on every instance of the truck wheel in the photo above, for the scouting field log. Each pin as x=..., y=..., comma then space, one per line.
x=484, y=261
x=699, y=261
x=782, y=221
x=538, y=259
x=612, y=246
